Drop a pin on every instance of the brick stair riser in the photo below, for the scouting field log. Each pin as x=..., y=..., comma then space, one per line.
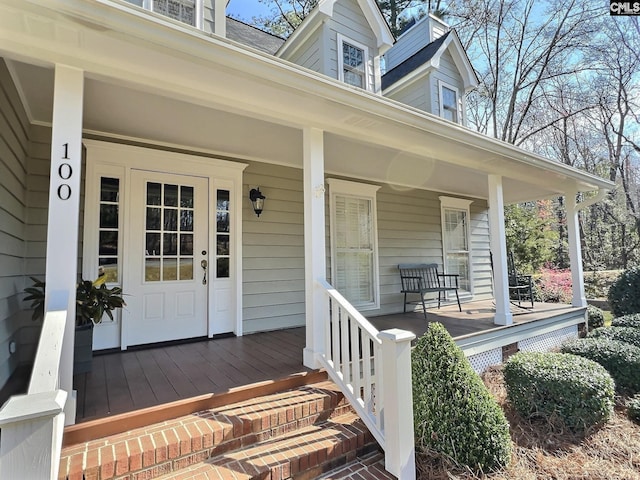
x=159, y=450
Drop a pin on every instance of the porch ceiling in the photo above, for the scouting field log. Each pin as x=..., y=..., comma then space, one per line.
x=150, y=80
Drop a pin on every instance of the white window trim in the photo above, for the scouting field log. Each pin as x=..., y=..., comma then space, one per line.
x=442, y=85
x=452, y=203
x=356, y=190
x=365, y=54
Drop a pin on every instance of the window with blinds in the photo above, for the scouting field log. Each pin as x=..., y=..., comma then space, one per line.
x=354, y=244
x=455, y=239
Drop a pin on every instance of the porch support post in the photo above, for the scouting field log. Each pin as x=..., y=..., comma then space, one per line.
x=64, y=212
x=314, y=244
x=575, y=251
x=499, y=249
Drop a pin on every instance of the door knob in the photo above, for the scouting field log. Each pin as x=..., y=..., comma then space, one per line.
x=204, y=264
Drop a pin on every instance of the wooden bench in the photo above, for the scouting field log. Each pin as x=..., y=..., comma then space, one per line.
x=422, y=278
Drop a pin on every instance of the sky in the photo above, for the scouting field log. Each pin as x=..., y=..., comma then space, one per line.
x=246, y=9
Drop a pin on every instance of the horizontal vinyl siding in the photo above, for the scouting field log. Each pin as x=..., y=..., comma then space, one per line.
x=309, y=54
x=273, y=250
x=409, y=231
x=208, y=14
x=349, y=21
x=417, y=95
x=481, y=274
x=14, y=144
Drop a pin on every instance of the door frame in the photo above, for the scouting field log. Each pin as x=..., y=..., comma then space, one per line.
x=117, y=160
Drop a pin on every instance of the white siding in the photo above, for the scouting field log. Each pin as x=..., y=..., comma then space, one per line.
x=273, y=250
x=349, y=20
x=208, y=16
x=481, y=274
x=309, y=54
x=14, y=145
x=417, y=94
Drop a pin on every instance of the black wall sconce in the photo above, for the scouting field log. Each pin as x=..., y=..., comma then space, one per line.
x=257, y=200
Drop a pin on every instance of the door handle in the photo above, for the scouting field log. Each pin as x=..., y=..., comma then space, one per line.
x=204, y=265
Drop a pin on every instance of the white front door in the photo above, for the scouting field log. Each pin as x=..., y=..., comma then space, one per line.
x=168, y=276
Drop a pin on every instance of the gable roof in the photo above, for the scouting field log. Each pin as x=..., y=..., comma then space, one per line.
x=324, y=9
x=253, y=37
x=413, y=62
x=429, y=57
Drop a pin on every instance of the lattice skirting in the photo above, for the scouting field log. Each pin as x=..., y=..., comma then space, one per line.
x=540, y=343
x=548, y=341
x=481, y=361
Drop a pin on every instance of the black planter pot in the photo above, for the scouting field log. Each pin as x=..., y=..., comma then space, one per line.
x=83, y=349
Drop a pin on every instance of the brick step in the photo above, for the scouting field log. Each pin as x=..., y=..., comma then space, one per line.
x=302, y=455
x=154, y=450
x=370, y=466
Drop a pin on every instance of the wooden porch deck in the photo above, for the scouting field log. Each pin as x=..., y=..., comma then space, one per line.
x=125, y=381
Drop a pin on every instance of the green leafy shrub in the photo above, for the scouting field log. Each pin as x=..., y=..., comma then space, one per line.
x=622, y=360
x=622, y=334
x=454, y=413
x=624, y=293
x=573, y=389
x=595, y=316
x=633, y=408
x=631, y=320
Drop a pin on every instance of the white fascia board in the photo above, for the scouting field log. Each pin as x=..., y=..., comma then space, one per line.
x=188, y=43
x=378, y=24
x=462, y=61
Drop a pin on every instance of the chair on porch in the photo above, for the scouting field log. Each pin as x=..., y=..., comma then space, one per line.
x=422, y=278
x=520, y=286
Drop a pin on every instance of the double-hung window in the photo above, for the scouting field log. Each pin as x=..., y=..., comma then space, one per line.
x=449, y=103
x=455, y=239
x=185, y=11
x=354, y=242
x=352, y=62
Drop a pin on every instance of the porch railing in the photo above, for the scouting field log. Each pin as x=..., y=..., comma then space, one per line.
x=32, y=424
x=373, y=370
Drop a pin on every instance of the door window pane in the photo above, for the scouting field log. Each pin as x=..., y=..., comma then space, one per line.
x=169, y=251
x=109, y=228
x=223, y=227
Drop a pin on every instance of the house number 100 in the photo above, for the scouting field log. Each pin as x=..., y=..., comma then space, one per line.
x=64, y=172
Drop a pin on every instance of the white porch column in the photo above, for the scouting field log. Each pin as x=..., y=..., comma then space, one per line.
x=314, y=243
x=499, y=250
x=64, y=209
x=575, y=251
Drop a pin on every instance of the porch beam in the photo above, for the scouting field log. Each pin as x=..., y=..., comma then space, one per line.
x=499, y=249
x=314, y=244
x=64, y=212
x=579, y=298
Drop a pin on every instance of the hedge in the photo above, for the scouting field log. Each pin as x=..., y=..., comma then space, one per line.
x=573, y=389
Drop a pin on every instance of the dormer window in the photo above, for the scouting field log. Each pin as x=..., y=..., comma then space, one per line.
x=352, y=62
x=449, y=103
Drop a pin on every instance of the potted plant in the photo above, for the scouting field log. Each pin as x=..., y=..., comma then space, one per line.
x=93, y=301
